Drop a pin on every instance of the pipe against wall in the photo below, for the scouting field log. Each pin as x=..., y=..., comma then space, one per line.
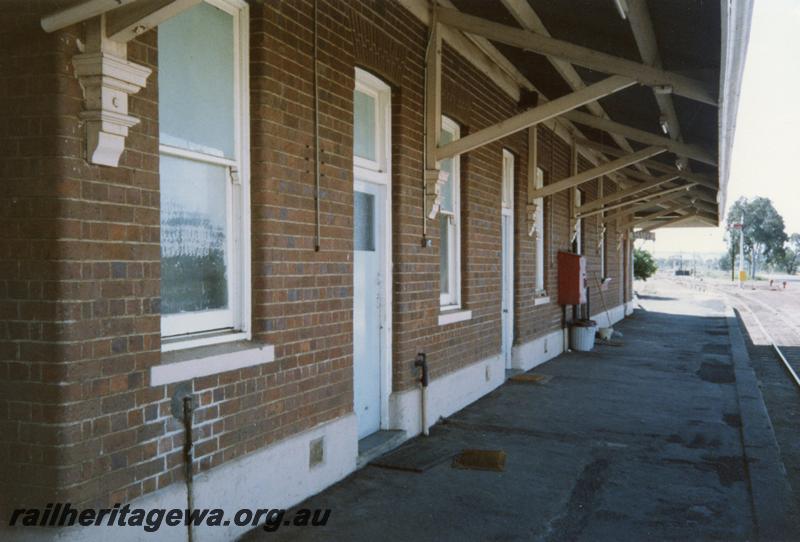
x=317, y=235
x=422, y=362
x=188, y=459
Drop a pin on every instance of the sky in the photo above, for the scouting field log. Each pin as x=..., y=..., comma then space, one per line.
x=765, y=148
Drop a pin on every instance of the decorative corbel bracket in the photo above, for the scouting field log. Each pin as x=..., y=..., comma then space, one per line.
x=434, y=181
x=574, y=229
x=107, y=79
x=533, y=227
x=602, y=237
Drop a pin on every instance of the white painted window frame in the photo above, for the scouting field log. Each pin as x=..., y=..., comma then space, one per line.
x=603, y=270
x=201, y=329
x=507, y=282
x=451, y=300
x=380, y=172
x=601, y=223
x=508, y=180
x=372, y=86
x=540, y=287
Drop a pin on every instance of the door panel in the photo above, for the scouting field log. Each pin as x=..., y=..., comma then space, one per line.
x=368, y=257
x=507, y=304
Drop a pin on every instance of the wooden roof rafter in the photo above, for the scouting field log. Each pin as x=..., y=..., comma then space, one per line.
x=576, y=54
x=527, y=18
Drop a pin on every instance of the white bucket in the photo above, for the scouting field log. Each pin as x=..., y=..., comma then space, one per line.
x=581, y=338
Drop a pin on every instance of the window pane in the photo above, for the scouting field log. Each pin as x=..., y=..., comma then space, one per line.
x=195, y=79
x=193, y=236
x=444, y=254
x=508, y=181
x=364, y=221
x=364, y=126
x=447, y=165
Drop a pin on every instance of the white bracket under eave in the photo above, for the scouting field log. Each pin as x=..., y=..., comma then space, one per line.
x=533, y=227
x=574, y=229
x=107, y=79
x=601, y=238
x=434, y=181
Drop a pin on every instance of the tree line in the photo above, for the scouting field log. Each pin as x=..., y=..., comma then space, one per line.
x=766, y=243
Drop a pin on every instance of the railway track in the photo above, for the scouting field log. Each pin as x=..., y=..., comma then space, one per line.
x=766, y=317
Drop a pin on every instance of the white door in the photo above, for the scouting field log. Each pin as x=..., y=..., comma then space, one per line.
x=507, y=316
x=369, y=256
x=507, y=257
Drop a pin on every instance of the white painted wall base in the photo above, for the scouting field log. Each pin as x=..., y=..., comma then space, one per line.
x=279, y=475
x=528, y=355
x=617, y=313
x=446, y=395
x=276, y=477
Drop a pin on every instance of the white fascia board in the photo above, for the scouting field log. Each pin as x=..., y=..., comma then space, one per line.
x=736, y=18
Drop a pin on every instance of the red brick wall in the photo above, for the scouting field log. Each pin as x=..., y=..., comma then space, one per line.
x=79, y=251
x=29, y=225
x=80, y=282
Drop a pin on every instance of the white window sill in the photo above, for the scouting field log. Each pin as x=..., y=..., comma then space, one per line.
x=181, y=365
x=202, y=339
x=454, y=315
x=541, y=300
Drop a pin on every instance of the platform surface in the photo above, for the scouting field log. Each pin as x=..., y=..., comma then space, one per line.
x=644, y=441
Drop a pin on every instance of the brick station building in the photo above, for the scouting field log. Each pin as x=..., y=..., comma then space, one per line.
x=244, y=221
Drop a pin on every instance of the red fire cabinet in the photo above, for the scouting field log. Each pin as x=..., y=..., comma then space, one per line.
x=571, y=279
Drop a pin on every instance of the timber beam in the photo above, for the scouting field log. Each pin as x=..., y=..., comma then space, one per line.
x=671, y=222
x=600, y=202
x=636, y=199
x=527, y=18
x=125, y=19
x=677, y=208
x=698, y=196
x=434, y=177
x=422, y=11
x=78, y=13
x=699, y=178
x=645, y=36
x=645, y=205
x=576, y=54
x=133, y=19
x=648, y=138
x=710, y=219
x=433, y=95
x=534, y=116
x=596, y=172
